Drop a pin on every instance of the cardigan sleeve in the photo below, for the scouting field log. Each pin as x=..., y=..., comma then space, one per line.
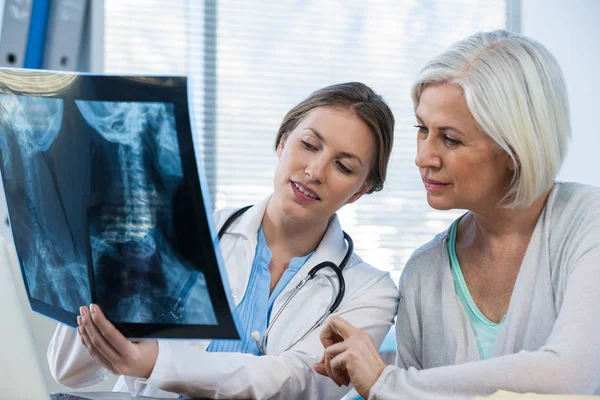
x=406, y=346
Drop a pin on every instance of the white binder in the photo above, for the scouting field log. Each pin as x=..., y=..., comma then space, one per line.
x=63, y=38
x=15, y=30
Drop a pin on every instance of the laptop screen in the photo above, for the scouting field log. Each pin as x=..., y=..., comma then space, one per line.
x=105, y=202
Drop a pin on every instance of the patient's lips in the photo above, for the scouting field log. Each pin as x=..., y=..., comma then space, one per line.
x=432, y=185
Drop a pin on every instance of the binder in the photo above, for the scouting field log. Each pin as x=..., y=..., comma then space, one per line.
x=64, y=34
x=15, y=31
x=34, y=51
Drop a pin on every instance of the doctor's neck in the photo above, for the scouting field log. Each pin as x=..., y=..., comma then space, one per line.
x=289, y=236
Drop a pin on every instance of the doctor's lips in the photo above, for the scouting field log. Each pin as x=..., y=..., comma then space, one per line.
x=432, y=185
x=304, y=192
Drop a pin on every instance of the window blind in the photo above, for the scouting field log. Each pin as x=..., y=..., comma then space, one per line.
x=251, y=61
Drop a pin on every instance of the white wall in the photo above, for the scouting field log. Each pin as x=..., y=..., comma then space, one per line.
x=571, y=32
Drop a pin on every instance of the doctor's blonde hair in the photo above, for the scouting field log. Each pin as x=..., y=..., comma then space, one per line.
x=516, y=92
x=366, y=105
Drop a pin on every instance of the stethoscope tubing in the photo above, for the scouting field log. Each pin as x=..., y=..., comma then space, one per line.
x=262, y=344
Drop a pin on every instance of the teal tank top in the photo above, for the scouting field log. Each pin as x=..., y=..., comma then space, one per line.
x=486, y=332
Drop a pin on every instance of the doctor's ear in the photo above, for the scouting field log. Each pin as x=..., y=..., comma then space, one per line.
x=364, y=189
x=281, y=144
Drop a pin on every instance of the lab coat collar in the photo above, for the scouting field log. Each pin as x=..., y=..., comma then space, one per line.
x=248, y=223
x=331, y=248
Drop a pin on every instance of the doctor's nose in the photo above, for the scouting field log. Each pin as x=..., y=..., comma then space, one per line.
x=315, y=171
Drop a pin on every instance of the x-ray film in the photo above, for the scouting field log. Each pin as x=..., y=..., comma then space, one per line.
x=107, y=204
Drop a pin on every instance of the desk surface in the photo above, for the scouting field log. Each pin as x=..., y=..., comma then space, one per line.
x=105, y=396
x=99, y=396
x=504, y=395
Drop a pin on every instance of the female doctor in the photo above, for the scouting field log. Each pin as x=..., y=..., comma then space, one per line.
x=332, y=148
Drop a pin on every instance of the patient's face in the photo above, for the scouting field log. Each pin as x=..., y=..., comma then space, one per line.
x=323, y=164
x=460, y=165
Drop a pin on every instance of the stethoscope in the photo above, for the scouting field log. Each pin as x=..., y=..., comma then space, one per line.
x=178, y=309
x=262, y=344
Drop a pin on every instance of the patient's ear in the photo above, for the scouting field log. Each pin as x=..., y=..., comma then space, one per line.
x=512, y=163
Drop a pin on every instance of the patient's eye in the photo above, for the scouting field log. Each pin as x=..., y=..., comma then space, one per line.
x=421, y=128
x=450, y=141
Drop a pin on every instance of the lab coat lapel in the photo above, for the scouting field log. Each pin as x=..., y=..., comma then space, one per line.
x=250, y=221
x=239, y=266
x=314, y=299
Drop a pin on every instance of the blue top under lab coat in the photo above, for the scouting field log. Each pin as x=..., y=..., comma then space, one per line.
x=254, y=311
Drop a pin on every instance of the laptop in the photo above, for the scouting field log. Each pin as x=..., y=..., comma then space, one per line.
x=21, y=375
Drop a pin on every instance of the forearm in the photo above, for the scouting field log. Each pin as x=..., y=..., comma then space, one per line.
x=538, y=372
x=69, y=361
x=185, y=369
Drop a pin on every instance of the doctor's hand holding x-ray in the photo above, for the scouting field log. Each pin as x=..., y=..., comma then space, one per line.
x=332, y=148
x=111, y=349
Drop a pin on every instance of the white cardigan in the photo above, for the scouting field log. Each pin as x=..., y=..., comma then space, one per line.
x=185, y=367
x=550, y=340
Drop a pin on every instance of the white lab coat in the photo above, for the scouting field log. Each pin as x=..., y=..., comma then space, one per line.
x=370, y=303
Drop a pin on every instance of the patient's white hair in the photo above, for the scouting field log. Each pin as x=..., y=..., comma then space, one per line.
x=516, y=92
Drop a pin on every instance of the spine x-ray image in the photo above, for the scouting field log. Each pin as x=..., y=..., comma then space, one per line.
x=103, y=203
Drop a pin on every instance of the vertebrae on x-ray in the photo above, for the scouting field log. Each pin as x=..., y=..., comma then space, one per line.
x=132, y=202
x=35, y=123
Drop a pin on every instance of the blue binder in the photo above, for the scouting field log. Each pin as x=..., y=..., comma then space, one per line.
x=34, y=52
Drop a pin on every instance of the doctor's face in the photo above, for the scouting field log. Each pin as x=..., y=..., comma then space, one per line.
x=461, y=166
x=323, y=164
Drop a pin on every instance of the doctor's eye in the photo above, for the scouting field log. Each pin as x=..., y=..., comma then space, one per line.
x=307, y=145
x=343, y=168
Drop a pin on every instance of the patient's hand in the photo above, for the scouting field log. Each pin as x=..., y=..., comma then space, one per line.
x=111, y=349
x=350, y=356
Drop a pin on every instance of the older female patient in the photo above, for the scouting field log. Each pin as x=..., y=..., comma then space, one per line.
x=507, y=297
